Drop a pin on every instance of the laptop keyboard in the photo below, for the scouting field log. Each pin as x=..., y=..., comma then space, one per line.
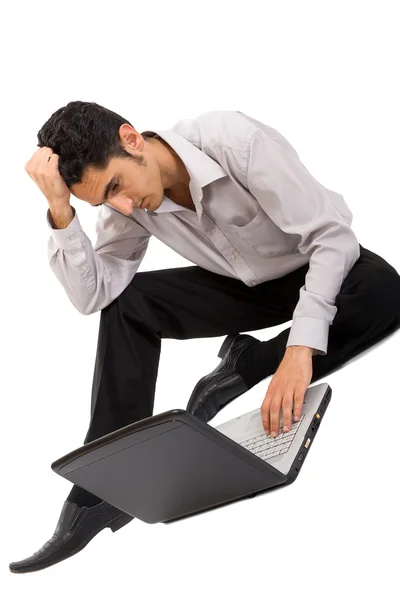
x=266, y=447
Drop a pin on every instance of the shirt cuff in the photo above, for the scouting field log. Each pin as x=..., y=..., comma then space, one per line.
x=306, y=331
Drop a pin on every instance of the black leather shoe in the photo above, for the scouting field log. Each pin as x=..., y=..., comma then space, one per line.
x=76, y=526
x=224, y=384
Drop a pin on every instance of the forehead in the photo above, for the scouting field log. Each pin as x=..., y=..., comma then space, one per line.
x=94, y=181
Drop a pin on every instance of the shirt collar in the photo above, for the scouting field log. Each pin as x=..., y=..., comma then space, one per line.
x=202, y=169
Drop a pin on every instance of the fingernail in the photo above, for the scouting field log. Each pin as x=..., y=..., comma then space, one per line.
x=285, y=429
x=273, y=433
x=267, y=431
x=296, y=418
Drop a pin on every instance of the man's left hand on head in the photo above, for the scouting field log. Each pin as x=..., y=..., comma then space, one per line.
x=286, y=391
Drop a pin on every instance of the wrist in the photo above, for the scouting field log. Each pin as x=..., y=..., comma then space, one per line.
x=59, y=203
x=300, y=350
x=61, y=216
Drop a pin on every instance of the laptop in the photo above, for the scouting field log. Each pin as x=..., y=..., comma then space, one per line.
x=173, y=465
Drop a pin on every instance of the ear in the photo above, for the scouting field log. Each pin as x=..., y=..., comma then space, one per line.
x=130, y=137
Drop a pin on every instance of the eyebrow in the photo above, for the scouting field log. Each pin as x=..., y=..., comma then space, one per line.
x=107, y=188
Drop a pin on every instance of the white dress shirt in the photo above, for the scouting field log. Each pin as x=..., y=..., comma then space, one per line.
x=259, y=215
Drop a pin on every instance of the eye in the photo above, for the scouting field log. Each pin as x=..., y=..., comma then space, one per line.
x=116, y=185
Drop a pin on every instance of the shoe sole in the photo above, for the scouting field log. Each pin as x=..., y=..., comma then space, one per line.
x=34, y=568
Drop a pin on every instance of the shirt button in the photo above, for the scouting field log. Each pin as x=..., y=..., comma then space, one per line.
x=212, y=231
x=72, y=237
x=84, y=267
x=233, y=256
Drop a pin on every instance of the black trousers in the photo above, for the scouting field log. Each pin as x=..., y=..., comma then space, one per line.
x=191, y=302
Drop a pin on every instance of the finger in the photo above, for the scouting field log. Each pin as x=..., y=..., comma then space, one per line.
x=287, y=406
x=33, y=160
x=275, y=413
x=265, y=413
x=45, y=169
x=298, y=404
x=38, y=159
x=265, y=418
x=46, y=156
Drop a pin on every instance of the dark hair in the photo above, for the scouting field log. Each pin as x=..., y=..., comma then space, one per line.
x=84, y=134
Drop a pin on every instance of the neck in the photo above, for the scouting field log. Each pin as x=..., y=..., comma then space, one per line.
x=174, y=174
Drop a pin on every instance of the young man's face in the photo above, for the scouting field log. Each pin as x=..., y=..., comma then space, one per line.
x=130, y=183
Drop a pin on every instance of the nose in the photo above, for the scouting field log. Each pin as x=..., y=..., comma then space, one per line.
x=124, y=204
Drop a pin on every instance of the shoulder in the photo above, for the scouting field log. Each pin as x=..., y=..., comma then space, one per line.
x=218, y=128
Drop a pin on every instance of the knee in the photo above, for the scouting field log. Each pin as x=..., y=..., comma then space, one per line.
x=389, y=282
x=129, y=297
x=386, y=290
x=137, y=283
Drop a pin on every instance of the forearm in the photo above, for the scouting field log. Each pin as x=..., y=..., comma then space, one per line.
x=92, y=276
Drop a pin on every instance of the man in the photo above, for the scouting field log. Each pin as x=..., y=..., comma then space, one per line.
x=269, y=243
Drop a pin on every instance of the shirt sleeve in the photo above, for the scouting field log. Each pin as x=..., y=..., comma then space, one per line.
x=298, y=204
x=94, y=276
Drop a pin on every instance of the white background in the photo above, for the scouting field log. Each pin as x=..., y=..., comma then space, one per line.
x=324, y=74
